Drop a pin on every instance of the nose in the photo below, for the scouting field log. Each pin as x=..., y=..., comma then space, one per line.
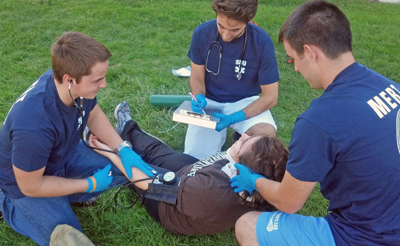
x=244, y=137
x=296, y=69
x=103, y=83
x=226, y=35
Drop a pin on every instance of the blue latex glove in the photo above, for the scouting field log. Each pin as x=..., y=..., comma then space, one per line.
x=245, y=180
x=227, y=120
x=100, y=180
x=130, y=159
x=200, y=104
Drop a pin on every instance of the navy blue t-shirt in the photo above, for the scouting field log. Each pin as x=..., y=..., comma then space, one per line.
x=258, y=67
x=39, y=131
x=349, y=141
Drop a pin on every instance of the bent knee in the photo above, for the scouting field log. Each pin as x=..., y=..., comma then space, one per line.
x=245, y=228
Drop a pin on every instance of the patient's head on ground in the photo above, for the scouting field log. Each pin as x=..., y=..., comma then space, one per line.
x=242, y=145
x=268, y=157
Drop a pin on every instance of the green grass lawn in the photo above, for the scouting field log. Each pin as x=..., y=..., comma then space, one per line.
x=148, y=38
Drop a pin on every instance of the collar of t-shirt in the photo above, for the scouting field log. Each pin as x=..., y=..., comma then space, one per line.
x=229, y=168
x=231, y=171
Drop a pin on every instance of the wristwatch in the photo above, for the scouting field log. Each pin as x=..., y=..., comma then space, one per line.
x=123, y=145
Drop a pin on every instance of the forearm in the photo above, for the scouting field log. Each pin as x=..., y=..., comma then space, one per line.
x=287, y=196
x=266, y=101
x=197, y=87
x=260, y=105
x=53, y=186
x=100, y=126
x=136, y=173
x=270, y=191
x=197, y=79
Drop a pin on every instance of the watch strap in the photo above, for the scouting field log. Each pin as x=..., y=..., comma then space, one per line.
x=123, y=145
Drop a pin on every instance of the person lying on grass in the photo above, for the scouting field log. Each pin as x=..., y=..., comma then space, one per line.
x=206, y=203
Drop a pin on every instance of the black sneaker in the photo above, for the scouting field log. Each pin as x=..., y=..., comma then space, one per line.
x=88, y=203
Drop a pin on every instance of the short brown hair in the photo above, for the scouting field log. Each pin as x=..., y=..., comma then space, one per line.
x=268, y=157
x=240, y=10
x=318, y=23
x=75, y=53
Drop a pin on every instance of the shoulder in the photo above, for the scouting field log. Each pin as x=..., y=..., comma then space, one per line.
x=206, y=25
x=258, y=33
x=206, y=30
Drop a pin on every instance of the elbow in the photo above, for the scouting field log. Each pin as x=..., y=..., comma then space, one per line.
x=31, y=191
x=274, y=102
x=289, y=208
x=28, y=192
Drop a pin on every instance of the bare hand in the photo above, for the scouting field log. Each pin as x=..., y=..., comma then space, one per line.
x=95, y=142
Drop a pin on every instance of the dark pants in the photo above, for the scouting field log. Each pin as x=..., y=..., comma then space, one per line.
x=157, y=154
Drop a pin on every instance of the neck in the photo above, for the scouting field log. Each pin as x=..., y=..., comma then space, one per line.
x=334, y=67
x=241, y=33
x=63, y=93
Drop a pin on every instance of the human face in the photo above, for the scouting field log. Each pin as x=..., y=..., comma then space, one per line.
x=303, y=65
x=243, y=145
x=90, y=85
x=229, y=28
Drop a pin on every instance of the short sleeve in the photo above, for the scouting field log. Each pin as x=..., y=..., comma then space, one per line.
x=311, y=152
x=268, y=71
x=31, y=149
x=194, y=52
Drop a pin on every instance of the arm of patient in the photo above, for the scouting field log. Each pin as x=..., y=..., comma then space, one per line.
x=136, y=173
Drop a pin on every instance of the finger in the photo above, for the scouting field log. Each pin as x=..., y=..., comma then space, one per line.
x=203, y=104
x=107, y=168
x=129, y=172
x=109, y=180
x=218, y=115
x=194, y=103
x=152, y=170
x=239, y=189
x=90, y=141
x=147, y=172
x=240, y=167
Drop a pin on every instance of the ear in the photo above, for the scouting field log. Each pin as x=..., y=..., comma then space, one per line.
x=311, y=52
x=68, y=79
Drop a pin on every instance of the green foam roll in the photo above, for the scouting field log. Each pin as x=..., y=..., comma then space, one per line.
x=168, y=100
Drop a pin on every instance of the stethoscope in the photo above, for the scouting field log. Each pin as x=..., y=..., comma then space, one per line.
x=219, y=47
x=80, y=109
x=167, y=178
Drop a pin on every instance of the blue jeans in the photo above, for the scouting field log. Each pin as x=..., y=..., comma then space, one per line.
x=36, y=218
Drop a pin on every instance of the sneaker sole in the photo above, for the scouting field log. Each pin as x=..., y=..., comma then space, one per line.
x=116, y=111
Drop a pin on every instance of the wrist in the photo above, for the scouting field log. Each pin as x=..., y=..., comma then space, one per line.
x=123, y=145
x=254, y=178
x=239, y=116
x=91, y=184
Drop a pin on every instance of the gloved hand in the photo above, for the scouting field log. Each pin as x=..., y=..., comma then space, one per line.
x=200, y=104
x=130, y=159
x=227, y=120
x=245, y=180
x=100, y=180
